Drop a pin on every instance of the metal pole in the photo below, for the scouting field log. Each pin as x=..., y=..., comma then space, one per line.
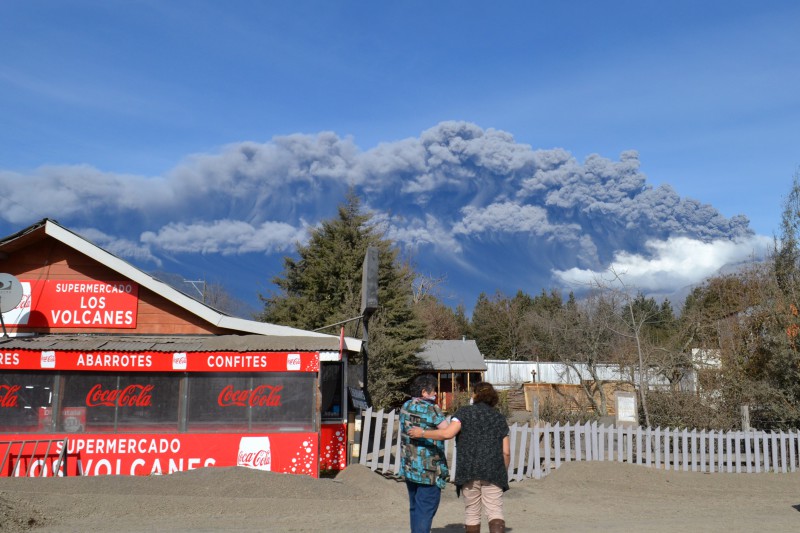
x=365, y=346
x=5, y=333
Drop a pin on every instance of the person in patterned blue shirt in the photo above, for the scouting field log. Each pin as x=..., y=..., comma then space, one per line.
x=423, y=464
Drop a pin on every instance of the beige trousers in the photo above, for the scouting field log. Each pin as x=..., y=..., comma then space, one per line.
x=480, y=495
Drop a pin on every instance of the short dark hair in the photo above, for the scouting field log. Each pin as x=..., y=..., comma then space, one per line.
x=422, y=382
x=485, y=393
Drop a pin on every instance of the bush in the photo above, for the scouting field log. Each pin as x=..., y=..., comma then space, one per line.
x=679, y=410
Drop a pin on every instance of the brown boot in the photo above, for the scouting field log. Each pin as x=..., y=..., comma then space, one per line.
x=497, y=526
x=472, y=529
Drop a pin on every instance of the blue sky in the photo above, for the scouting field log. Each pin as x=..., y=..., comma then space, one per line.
x=101, y=101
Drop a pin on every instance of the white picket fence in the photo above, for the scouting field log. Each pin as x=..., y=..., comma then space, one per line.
x=538, y=450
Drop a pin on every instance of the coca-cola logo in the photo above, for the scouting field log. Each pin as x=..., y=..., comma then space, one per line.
x=8, y=395
x=130, y=396
x=261, y=396
x=293, y=361
x=254, y=452
x=48, y=360
x=259, y=459
x=179, y=361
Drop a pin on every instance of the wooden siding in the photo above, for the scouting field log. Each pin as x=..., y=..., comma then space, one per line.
x=573, y=397
x=53, y=260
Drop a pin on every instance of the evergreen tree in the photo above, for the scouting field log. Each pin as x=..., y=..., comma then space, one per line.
x=500, y=326
x=322, y=286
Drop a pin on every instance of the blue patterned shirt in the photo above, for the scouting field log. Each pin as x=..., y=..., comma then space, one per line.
x=422, y=460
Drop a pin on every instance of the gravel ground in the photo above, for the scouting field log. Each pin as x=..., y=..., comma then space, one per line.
x=577, y=497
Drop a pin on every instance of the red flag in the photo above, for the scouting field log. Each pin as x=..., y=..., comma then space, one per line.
x=341, y=344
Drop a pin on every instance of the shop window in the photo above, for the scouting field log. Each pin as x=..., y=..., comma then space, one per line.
x=152, y=402
x=130, y=402
x=26, y=401
x=274, y=401
x=331, y=390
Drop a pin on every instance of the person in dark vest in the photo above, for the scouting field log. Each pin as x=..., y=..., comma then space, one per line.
x=423, y=464
x=482, y=457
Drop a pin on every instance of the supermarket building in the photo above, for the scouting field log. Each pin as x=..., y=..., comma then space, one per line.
x=134, y=377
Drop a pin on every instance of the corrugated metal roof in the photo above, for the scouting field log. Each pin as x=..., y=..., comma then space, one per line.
x=456, y=355
x=170, y=343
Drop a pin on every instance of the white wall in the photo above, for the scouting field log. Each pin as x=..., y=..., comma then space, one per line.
x=503, y=373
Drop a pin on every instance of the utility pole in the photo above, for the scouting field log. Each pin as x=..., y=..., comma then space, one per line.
x=369, y=304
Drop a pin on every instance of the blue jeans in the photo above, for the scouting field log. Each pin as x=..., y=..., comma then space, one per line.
x=423, y=501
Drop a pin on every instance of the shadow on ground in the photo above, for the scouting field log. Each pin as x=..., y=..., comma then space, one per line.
x=453, y=528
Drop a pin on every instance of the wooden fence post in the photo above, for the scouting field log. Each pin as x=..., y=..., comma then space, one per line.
x=387, y=454
x=756, y=453
x=376, y=440
x=535, y=453
x=738, y=436
x=557, y=443
x=366, y=424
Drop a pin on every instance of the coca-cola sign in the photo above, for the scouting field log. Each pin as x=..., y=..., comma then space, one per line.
x=261, y=396
x=179, y=361
x=8, y=395
x=48, y=359
x=254, y=452
x=130, y=396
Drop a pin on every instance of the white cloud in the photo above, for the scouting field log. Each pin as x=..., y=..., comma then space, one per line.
x=79, y=192
x=673, y=263
x=120, y=247
x=226, y=237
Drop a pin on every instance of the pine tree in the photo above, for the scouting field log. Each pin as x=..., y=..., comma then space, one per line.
x=322, y=286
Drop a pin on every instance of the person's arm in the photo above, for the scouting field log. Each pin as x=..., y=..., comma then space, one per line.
x=506, y=451
x=442, y=433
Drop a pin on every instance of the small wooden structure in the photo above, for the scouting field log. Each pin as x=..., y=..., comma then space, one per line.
x=457, y=364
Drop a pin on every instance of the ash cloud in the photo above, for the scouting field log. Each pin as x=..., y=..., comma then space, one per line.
x=454, y=195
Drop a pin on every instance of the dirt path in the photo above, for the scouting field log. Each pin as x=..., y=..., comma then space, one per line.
x=577, y=497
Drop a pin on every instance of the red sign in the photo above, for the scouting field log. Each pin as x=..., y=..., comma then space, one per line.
x=160, y=361
x=148, y=454
x=76, y=304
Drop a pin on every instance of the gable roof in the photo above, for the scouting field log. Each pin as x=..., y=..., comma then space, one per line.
x=50, y=228
x=452, y=356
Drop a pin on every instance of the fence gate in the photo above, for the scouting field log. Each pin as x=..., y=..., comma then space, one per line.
x=23, y=457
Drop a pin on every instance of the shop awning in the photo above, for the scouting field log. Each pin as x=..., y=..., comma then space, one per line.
x=167, y=343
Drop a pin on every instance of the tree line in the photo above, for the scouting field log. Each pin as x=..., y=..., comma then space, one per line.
x=746, y=324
